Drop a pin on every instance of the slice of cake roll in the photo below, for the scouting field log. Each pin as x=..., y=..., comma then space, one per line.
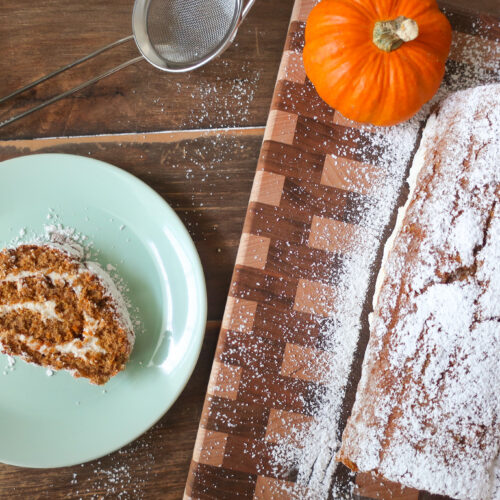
x=62, y=313
x=427, y=410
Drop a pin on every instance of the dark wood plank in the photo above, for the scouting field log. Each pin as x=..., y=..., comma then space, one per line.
x=237, y=418
x=38, y=37
x=228, y=482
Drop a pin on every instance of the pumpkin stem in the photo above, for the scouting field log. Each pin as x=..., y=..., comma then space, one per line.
x=390, y=35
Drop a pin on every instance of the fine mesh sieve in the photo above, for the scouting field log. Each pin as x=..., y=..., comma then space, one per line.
x=172, y=35
x=196, y=31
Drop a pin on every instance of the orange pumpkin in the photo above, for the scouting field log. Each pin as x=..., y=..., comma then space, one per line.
x=376, y=61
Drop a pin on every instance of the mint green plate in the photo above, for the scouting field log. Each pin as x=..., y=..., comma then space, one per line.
x=55, y=421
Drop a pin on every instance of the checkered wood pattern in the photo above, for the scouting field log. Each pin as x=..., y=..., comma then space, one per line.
x=301, y=221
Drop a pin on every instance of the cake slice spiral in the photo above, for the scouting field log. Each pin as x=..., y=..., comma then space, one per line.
x=62, y=313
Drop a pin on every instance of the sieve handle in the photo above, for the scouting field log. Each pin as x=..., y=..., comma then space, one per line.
x=244, y=14
x=64, y=68
x=70, y=91
x=246, y=10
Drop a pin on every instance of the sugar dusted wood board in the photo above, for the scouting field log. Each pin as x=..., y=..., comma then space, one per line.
x=312, y=180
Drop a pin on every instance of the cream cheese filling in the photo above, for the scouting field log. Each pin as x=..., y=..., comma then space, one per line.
x=47, y=309
x=76, y=347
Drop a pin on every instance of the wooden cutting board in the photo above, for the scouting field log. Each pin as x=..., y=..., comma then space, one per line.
x=257, y=388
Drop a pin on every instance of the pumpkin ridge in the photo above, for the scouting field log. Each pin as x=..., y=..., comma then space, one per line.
x=423, y=56
x=356, y=36
x=383, y=9
x=433, y=36
x=391, y=74
x=421, y=65
x=387, y=77
x=362, y=86
x=362, y=8
x=342, y=66
x=410, y=8
x=342, y=26
x=417, y=71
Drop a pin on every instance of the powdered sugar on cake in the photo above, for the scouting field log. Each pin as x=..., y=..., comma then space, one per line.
x=112, y=289
x=61, y=238
x=427, y=407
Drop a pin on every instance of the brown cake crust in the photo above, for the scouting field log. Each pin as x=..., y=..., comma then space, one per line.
x=427, y=405
x=55, y=311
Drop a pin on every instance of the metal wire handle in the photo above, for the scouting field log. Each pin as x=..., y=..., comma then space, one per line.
x=87, y=83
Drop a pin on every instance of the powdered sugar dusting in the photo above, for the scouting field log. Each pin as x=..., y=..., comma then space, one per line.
x=430, y=421
x=225, y=105
x=122, y=475
x=315, y=460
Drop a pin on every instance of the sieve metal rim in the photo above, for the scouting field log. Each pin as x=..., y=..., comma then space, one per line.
x=141, y=38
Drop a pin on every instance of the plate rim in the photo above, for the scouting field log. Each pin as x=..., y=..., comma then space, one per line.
x=202, y=299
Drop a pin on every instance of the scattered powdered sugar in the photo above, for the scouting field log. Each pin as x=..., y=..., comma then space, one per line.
x=321, y=440
x=225, y=101
x=11, y=363
x=314, y=459
x=64, y=238
x=123, y=475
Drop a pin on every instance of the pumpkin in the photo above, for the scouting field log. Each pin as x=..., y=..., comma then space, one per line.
x=376, y=61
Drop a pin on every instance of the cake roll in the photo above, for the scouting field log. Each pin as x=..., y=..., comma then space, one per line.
x=426, y=412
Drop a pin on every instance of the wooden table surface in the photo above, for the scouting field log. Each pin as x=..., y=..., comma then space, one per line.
x=203, y=166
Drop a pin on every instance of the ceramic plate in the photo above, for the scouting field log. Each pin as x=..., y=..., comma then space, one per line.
x=54, y=421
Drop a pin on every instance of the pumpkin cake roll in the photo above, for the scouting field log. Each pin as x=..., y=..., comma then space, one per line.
x=427, y=407
x=59, y=312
